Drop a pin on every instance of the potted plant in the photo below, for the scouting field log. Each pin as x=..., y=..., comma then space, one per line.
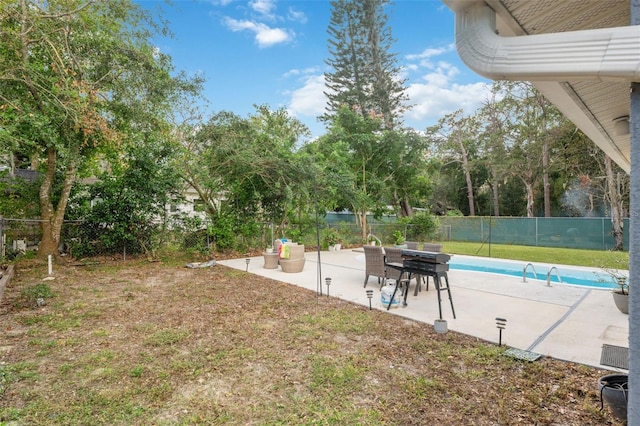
x=371, y=240
x=398, y=239
x=331, y=238
x=621, y=292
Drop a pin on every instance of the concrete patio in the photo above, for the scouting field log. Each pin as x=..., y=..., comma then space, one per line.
x=561, y=321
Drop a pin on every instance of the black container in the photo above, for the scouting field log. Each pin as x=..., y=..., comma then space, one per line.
x=614, y=390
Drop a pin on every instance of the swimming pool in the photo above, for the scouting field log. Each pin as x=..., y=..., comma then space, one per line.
x=573, y=275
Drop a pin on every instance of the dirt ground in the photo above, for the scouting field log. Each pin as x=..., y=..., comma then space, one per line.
x=142, y=342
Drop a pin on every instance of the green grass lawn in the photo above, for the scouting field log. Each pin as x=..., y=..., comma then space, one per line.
x=552, y=255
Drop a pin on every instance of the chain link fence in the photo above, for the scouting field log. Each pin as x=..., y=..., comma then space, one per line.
x=82, y=239
x=568, y=232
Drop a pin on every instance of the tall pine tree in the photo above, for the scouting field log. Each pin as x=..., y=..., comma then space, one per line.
x=365, y=74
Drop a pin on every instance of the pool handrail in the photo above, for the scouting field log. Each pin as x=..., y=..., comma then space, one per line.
x=549, y=275
x=524, y=272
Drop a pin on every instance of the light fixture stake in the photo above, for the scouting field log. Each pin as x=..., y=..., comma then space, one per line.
x=370, y=296
x=501, y=323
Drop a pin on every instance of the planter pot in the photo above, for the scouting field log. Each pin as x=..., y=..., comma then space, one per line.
x=621, y=301
x=269, y=250
x=337, y=247
x=372, y=243
x=331, y=248
x=614, y=391
x=401, y=246
x=440, y=326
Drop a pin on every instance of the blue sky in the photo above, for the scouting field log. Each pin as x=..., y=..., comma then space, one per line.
x=273, y=52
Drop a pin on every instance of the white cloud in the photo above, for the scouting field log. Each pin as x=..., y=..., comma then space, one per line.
x=291, y=73
x=263, y=7
x=265, y=36
x=437, y=94
x=309, y=100
x=433, y=89
x=430, y=52
x=220, y=2
x=304, y=71
x=296, y=16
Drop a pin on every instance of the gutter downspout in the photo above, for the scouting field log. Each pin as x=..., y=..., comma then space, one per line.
x=610, y=54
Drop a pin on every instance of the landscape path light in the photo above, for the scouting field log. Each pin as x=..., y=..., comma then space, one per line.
x=370, y=296
x=501, y=323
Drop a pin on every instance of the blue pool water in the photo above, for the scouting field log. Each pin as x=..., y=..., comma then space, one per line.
x=569, y=275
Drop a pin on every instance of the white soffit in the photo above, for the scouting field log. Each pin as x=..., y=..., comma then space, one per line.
x=593, y=100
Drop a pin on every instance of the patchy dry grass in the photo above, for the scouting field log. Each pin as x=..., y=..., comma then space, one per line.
x=155, y=343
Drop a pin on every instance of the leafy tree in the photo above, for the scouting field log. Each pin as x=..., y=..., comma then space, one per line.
x=365, y=74
x=359, y=138
x=455, y=138
x=122, y=209
x=18, y=196
x=495, y=140
x=534, y=121
x=75, y=77
x=405, y=174
x=246, y=169
x=594, y=181
x=334, y=180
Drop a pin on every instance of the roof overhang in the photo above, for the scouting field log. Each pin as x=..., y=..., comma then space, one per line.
x=581, y=54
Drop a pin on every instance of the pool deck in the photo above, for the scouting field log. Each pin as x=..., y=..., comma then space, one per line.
x=561, y=321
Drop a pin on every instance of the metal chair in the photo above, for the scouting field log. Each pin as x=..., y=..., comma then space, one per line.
x=394, y=255
x=374, y=264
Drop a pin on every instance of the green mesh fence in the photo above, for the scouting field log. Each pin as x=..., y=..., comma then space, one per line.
x=568, y=232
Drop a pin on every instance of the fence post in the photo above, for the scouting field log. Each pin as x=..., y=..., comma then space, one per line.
x=2, y=238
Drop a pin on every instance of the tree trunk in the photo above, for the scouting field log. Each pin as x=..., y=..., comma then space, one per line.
x=615, y=200
x=472, y=210
x=545, y=179
x=361, y=217
x=496, y=201
x=53, y=218
x=530, y=199
x=467, y=177
x=405, y=208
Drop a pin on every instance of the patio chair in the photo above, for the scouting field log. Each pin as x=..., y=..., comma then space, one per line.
x=411, y=245
x=278, y=242
x=432, y=247
x=394, y=255
x=295, y=262
x=374, y=264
